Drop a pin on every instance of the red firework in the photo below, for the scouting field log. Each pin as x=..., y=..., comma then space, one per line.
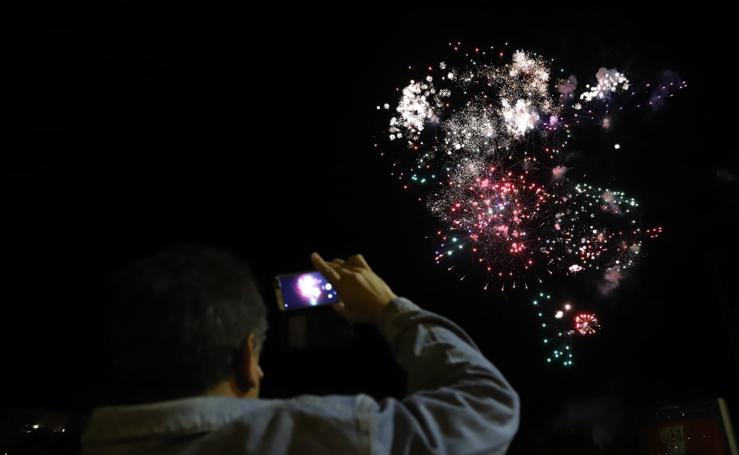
x=586, y=324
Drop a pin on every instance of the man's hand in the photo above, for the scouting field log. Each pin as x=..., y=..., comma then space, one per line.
x=363, y=293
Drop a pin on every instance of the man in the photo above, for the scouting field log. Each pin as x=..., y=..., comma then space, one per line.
x=188, y=328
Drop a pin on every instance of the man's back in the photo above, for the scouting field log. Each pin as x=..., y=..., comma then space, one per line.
x=227, y=425
x=458, y=403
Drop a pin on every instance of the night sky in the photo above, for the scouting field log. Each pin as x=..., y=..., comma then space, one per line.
x=126, y=130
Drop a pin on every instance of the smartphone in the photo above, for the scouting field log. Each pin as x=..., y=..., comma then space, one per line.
x=304, y=290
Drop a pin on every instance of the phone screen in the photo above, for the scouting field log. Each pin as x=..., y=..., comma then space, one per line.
x=304, y=290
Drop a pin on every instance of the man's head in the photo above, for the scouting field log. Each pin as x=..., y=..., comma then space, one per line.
x=185, y=322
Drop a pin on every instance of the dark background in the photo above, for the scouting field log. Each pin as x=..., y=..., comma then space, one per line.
x=126, y=129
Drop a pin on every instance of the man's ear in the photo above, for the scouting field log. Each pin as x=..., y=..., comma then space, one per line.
x=252, y=362
x=246, y=368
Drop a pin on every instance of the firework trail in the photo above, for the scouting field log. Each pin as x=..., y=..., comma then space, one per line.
x=561, y=324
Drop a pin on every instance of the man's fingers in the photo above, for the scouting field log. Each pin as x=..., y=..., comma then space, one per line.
x=341, y=310
x=337, y=261
x=324, y=268
x=358, y=261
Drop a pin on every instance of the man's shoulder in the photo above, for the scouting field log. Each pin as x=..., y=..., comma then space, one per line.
x=315, y=424
x=323, y=404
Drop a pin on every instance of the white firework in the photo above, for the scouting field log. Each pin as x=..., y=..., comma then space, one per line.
x=416, y=107
x=609, y=81
x=518, y=118
x=472, y=130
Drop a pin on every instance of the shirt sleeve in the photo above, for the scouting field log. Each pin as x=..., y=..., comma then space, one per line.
x=457, y=401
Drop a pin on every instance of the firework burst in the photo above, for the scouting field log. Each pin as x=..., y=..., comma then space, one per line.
x=484, y=139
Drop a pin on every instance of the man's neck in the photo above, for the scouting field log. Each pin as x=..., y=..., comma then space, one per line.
x=229, y=389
